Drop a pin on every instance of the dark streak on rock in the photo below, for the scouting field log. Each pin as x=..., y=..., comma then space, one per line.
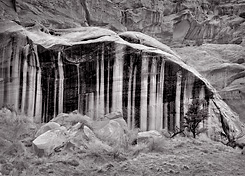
x=87, y=14
x=14, y=4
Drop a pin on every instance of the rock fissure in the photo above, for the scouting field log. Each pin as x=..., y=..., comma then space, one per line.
x=87, y=14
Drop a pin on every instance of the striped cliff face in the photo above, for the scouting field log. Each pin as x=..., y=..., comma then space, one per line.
x=44, y=75
x=99, y=78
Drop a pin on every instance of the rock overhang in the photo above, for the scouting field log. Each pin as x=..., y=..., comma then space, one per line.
x=93, y=35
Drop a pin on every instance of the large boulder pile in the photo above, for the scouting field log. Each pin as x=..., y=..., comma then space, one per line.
x=75, y=131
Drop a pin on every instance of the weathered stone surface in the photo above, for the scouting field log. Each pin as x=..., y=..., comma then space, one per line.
x=78, y=138
x=68, y=120
x=61, y=119
x=95, y=143
x=165, y=133
x=113, y=133
x=48, y=141
x=224, y=68
x=148, y=136
x=46, y=127
x=241, y=142
x=114, y=115
x=8, y=10
x=118, y=117
x=170, y=21
x=140, y=38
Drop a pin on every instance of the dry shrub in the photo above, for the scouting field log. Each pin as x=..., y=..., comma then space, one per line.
x=135, y=150
x=132, y=136
x=18, y=128
x=119, y=151
x=157, y=145
x=14, y=129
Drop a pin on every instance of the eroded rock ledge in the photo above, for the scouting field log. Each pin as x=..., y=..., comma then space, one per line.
x=95, y=71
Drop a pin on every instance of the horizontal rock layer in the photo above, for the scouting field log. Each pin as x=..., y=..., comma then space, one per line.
x=43, y=75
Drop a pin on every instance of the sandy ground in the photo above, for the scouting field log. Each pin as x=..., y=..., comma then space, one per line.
x=178, y=156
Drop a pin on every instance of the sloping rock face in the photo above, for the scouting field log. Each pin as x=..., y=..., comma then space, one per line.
x=171, y=22
x=112, y=132
x=48, y=141
x=48, y=126
x=97, y=72
x=210, y=21
x=224, y=68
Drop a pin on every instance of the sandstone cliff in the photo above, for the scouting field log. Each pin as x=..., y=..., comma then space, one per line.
x=224, y=68
x=91, y=56
x=97, y=71
x=47, y=60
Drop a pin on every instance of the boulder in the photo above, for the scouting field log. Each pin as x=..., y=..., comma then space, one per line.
x=48, y=141
x=241, y=143
x=60, y=118
x=68, y=120
x=148, y=136
x=79, y=140
x=83, y=138
x=46, y=127
x=73, y=130
x=165, y=133
x=114, y=115
x=118, y=117
x=151, y=133
x=94, y=142
x=112, y=132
